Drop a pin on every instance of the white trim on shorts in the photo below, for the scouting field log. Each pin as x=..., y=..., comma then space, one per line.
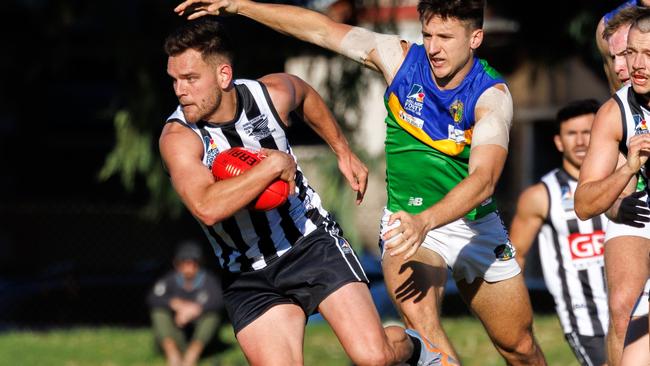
x=468, y=247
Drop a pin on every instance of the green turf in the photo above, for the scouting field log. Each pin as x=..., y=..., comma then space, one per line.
x=126, y=346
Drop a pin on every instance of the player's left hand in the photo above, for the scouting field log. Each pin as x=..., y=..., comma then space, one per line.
x=355, y=172
x=407, y=237
x=633, y=210
x=194, y=9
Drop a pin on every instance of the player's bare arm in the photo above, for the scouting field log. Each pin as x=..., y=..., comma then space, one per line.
x=486, y=163
x=290, y=93
x=600, y=182
x=208, y=200
x=378, y=52
x=532, y=210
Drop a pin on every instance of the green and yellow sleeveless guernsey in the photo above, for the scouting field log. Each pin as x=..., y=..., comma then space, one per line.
x=429, y=133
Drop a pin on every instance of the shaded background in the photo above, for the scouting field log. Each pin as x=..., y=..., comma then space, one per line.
x=87, y=218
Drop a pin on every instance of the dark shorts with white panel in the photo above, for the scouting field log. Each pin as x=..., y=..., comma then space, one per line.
x=314, y=268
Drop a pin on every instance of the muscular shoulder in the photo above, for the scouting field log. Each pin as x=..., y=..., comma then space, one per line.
x=177, y=140
x=284, y=90
x=533, y=201
x=608, y=121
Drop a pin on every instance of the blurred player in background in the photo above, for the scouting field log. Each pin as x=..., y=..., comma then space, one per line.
x=186, y=300
x=288, y=262
x=449, y=115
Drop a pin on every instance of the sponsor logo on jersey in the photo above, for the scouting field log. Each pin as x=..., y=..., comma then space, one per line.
x=211, y=150
x=456, y=135
x=640, y=125
x=505, y=252
x=258, y=127
x=415, y=99
x=412, y=120
x=584, y=246
x=456, y=110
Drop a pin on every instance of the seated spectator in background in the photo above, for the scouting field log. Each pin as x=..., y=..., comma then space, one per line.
x=187, y=300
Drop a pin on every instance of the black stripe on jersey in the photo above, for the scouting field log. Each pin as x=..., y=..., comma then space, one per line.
x=267, y=96
x=234, y=140
x=232, y=229
x=291, y=232
x=263, y=231
x=547, y=218
x=597, y=223
x=253, y=113
x=622, y=145
x=561, y=273
x=592, y=309
x=226, y=250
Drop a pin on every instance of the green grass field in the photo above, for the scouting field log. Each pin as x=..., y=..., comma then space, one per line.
x=125, y=346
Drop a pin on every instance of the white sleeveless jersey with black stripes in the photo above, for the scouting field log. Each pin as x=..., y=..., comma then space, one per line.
x=634, y=116
x=571, y=253
x=249, y=240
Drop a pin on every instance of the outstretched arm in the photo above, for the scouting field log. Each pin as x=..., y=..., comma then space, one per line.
x=532, y=209
x=290, y=93
x=208, y=200
x=379, y=52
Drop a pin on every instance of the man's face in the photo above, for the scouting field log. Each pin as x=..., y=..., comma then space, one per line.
x=573, y=139
x=638, y=60
x=617, y=45
x=449, y=45
x=195, y=85
x=188, y=268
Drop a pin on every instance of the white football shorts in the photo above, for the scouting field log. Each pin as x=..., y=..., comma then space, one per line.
x=471, y=248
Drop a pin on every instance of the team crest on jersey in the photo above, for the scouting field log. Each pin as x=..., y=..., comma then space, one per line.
x=415, y=99
x=567, y=198
x=211, y=149
x=345, y=246
x=641, y=127
x=456, y=110
x=258, y=127
x=505, y=252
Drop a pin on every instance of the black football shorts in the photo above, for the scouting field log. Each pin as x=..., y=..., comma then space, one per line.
x=316, y=266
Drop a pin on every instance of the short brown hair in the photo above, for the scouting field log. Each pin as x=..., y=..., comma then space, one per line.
x=470, y=11
x=204, y=35
x=625, y=16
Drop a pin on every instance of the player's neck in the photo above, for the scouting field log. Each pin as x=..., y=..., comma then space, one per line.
x=227, y=109
x=573, y=170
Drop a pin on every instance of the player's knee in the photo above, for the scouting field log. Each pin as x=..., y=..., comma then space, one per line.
x=372, y=356
x=620, y=308
x=519, y=349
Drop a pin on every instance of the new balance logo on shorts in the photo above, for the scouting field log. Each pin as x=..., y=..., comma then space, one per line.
x=415, y=201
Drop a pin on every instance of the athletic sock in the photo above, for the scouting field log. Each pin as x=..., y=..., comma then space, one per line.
x=417, y=348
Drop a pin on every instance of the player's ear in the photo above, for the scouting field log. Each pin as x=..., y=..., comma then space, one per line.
x=558, y=143
x=475, y=38
x=224, y=75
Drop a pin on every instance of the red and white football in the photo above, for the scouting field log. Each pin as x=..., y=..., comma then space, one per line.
x=234, y=161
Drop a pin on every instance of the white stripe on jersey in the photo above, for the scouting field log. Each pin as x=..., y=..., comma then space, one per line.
x=249, y=240
x=571, y=253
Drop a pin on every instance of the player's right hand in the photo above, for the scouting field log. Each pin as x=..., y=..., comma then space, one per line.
x=638, y=151
x=284, y=163
x=194, y=9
